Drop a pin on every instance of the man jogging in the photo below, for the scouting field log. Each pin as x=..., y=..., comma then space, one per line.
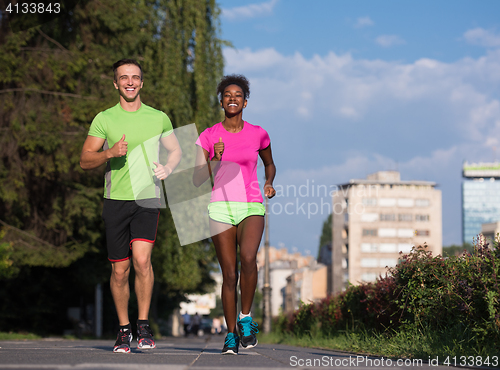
x=130, y=134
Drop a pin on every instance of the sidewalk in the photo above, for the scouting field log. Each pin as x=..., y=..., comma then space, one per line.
x=180, y=353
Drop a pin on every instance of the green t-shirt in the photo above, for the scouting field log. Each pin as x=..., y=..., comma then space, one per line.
x=131, y=177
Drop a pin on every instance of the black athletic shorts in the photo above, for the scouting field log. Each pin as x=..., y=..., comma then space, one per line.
x=126, y=221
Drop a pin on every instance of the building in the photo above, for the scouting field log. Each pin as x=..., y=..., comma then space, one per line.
x=308, y=284
x=491, y=232
x=281, y=265
x=480, y=197
x=376, y=218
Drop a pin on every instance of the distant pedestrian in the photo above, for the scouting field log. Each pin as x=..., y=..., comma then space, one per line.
x=216, y=326
x=131, y=204
x=231, y=148
x=195, y=323
x=186, y=322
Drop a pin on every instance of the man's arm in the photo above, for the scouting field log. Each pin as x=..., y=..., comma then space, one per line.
x=92, y=158
x=174, y=156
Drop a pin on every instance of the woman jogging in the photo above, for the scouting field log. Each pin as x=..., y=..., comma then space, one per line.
x=236, y=212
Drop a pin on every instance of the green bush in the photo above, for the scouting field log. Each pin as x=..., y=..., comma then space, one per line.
x=457, y=294
x=440, y=293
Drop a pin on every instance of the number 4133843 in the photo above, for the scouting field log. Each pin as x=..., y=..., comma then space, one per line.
x=33, y=8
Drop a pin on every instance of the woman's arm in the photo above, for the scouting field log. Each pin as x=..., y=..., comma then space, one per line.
x=270, y=171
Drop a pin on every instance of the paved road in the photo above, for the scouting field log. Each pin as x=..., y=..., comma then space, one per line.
x=180, y=354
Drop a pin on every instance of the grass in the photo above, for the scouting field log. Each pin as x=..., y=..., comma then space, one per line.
x=18, y=336
x=410, y=343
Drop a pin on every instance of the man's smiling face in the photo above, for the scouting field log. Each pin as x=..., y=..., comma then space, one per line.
x=128, y=82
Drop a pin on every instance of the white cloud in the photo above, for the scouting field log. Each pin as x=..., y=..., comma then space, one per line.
x=387, y=41
x=246, y=59
x=249, y=11
x=363, y=22
x=348, y=112
x=359, y=165
x=480, y=36
x=450, y=97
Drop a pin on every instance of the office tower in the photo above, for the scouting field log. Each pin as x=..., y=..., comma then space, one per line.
x=480, y=197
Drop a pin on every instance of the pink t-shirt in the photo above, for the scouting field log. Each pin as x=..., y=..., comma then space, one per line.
x=236, y=178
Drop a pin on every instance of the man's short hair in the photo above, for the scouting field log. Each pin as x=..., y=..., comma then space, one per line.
x=124, y=62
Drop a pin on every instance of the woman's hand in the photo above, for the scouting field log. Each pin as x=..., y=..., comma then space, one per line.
x=218, y=150
x=269, y=191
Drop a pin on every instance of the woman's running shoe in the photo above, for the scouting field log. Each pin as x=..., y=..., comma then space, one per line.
x=248, y=329
x=231, y=344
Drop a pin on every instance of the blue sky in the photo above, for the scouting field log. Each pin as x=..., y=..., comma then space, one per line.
x=348, y=88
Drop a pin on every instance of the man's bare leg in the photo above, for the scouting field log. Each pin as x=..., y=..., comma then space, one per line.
x=120, y=289
x=144, y=276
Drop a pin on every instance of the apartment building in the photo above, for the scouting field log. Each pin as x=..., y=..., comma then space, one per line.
x=282, y=264
x=376, y=218
x=308, y=284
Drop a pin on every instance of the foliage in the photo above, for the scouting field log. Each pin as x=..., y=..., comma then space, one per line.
x=424, y=294
x=438, y=293
x=56, y=77
x=257, y=305
x=7, y=270
x=457, y=250
x=326, y=233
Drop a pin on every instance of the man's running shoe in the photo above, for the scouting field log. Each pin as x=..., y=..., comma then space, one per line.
x=145, y=337
x=122, y=344
x=231, y=344
x=248, y=329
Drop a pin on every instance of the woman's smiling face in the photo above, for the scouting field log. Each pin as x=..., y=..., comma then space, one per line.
x=233, y=99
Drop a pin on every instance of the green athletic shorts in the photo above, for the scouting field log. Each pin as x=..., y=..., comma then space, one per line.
x=234, y=212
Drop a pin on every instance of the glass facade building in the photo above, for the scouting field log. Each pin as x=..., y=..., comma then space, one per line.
x=480, y=205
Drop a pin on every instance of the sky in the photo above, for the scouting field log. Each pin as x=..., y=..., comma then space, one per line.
x=347, y=88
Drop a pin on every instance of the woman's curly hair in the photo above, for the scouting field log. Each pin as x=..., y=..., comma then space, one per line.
x=238, y=80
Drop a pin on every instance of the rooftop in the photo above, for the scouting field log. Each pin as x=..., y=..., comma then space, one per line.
x=386, y=178
x=481, y=170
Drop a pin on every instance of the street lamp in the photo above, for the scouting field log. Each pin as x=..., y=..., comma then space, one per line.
x=267, y=285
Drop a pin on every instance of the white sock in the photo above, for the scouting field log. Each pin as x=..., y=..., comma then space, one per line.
x=242, y=315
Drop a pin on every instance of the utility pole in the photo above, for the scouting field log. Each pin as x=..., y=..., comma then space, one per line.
x=267, y=282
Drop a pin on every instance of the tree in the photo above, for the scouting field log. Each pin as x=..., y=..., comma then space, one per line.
x=7, y=270
x=456, y=250
x=56, y=77
x=326, y=233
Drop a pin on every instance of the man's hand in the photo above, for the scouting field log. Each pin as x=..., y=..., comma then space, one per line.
x=161, y=172
x=120, y=148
